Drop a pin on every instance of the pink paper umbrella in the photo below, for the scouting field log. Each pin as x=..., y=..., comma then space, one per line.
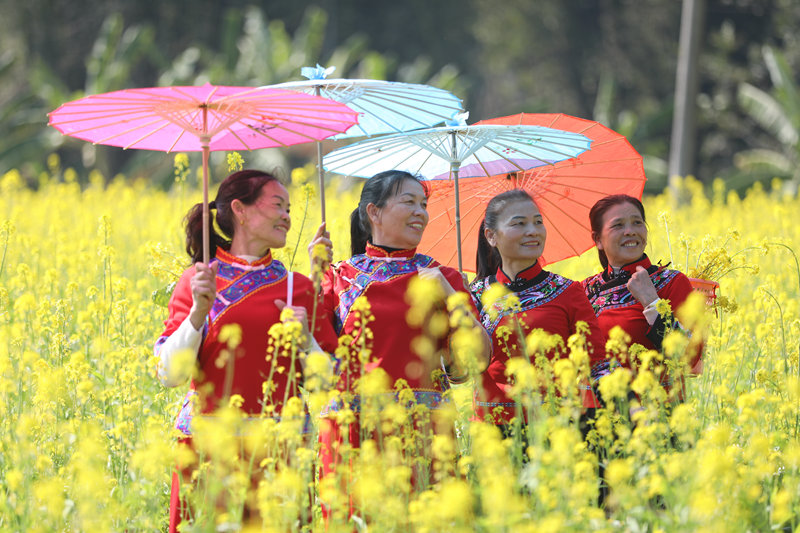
x=193, y=119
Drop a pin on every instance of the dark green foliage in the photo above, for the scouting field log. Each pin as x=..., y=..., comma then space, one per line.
x=608, y=60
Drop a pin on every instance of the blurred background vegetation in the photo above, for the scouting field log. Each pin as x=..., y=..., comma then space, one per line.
x=608, y=60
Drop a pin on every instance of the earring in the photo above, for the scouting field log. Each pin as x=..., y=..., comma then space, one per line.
x=241, y=222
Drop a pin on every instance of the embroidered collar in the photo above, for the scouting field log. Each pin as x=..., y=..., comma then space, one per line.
x=532, y=293
x=525, y=279
x=378, y=252
x=526, y=274
x=240, y=263
x=625, y=271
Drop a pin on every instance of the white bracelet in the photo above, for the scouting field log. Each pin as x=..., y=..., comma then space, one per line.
x=653, y=304
x=650, y=312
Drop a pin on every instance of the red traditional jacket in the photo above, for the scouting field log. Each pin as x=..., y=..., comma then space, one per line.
x=246, y=294
x=383, y=278
x=548, y=302
x=614, y=305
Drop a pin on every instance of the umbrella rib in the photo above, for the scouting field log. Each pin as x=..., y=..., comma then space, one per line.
x=282, y=128
x=129, y=130
x=556, y=141
x=146, y=135
x=97, y=117
x=394, y=111
x=95, y=113
x=294, y=109
x=483, y=167
x=404, y=105
x=532, y=155
x=334, y=127
x=593, y=177
x=177, y=139
x=563, y=236
x=384, y=154
x=511, y=161
x=232, y=132
x=414, y=97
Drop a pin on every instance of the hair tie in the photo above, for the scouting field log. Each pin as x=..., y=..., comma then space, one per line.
x=212, y=204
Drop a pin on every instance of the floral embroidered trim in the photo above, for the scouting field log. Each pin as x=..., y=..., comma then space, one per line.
x=619, y=295
x=530, y=298
x=373, y=270
x=244, y=282
x=429, y=398
x=183, y=422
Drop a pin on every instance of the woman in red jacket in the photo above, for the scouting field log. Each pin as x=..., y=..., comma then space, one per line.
x=510, y=242
x=392, y=337
x=243, y=287
x=628, y=290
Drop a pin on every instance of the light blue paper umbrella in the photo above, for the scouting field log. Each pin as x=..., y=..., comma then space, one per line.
x=458, y=150
x=384, y=106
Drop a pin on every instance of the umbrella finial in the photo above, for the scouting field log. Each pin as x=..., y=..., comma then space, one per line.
x=458, y=119
x=317, y=73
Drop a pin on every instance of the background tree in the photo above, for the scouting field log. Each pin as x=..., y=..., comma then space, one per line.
x=779, y=115
x=610, y=60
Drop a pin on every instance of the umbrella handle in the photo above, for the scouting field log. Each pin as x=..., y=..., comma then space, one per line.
x=320, y=170
x=206, y=217
x=455, y=164
x=458, y=221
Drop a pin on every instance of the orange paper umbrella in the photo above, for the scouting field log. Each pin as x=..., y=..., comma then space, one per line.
x=564, y=192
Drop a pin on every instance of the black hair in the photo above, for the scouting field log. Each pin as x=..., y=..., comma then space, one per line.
x=245, y=186
x=487, y=257
x=377, y=190
x=599, y=210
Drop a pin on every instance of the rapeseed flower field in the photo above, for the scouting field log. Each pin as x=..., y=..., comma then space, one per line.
x=87, y=440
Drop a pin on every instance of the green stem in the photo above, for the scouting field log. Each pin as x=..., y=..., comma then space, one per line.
x=796, y=262
x=669, y=242
x=300, y=232
x=5, y=249
x=783, y=331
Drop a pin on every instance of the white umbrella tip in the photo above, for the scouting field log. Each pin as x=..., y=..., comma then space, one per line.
x=317, y=73
x=457, y=119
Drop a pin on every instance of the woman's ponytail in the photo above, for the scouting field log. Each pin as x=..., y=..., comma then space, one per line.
x=194, y=234
x=487, y=258
x=358, y=235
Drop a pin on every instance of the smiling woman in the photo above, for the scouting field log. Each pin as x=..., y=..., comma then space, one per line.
x=630, y=288
x=245, y=290
x=368, y=297
x=399, y=223
x=510, y=242
x=263, y=224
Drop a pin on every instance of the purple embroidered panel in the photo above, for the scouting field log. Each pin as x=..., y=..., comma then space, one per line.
x=428, y=398
x=246, y=281
x=373, y=270
x=532, y=297
x=619, y=295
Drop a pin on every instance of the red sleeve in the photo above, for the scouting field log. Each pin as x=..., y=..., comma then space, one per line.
x=180, y=303
x=453, y=277
x=582, y=311
x=677, y=291
x=330, y=299
x=315, y=306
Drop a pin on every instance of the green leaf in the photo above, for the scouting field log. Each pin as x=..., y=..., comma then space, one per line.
x=768, y=112
x=765, y=163
x=782, y=78
x=161, y=296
